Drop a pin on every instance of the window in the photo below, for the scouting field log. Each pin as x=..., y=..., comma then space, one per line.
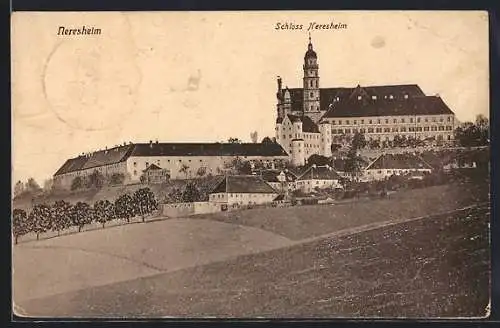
x=402, y=120
x=370, y=121
x=387, y=130
x=378, y=121
x=135, y=163
x=419, y=128
x=403, y=129
x=147, y=164
x=362, y=121
x=394, y=121
x=406, y=96
x=425, y=120
x=394, y=129
x=441, y=119
x=449, y=118
x=340, y=122
x=374, y=97
x=359, y=97
x=426, y=128
x=411, y=120
x=448, y=128
x=441, y=128
x=370, y=130
x=135, y=172
x=311, y=95
x=180, y=160
x=391, y=97
x=355, y=122
x=347, y=122
x=290, y=136
x=386, y=121
x=433, y=119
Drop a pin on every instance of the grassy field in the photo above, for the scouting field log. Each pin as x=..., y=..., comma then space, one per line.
x=301, y=222
x=433, y=267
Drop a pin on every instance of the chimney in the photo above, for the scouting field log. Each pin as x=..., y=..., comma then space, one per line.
x=156, y=141
x=150, y=143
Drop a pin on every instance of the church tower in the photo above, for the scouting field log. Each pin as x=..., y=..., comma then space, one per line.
x=311, y=84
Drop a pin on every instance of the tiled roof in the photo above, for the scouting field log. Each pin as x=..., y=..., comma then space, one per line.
x=208, y=149
x=319, y=173
x=96, y=159
x=398, y=161
x=328, y=95
x=243, y=184
x=272, y=175
x=120, y=154
x=152, y=167
x=427, y=105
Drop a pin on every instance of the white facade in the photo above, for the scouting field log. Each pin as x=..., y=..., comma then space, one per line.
x=308, y=186
x=382, y=174
x=242, y=198
x=385, y=128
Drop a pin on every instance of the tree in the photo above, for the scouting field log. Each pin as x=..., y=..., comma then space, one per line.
x=116, y=179
x=358, y=141
x=473, y=134
x=61, y=216
x=234, y=140
x=239, y=166
x=190, y=193
x=145, y=202
x=104, y=211
x=318, y=160
x=335, y=147
x=184, y=170
x=40, y=219
x=18, y=188
x=48, y=184
x=254, y=137
x=175, y=195
x=81, y=215
x=201, y=171
x=124, y=207
x=95, y=180
x=267, y=140
x=32, y=186
x=374, y=143
x=19, y=223
x=77, y=183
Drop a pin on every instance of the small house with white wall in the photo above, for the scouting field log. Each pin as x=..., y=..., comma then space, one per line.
x=242, y=190
x=387, y=165
x=321, y=177
x=281, y=180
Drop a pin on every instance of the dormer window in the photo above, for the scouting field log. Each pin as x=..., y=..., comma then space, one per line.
x=374, y=97
x=406, y=96
x=359, y=97
x=391, y=97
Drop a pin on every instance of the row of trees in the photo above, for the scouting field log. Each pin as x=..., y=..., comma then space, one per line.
x=62, y=215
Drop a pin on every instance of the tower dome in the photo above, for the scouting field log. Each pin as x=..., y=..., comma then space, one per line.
x=310, y=53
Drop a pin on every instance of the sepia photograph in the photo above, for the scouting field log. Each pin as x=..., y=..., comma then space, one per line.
x=252, y=164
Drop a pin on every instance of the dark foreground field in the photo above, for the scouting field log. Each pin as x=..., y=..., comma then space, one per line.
x=433, y=267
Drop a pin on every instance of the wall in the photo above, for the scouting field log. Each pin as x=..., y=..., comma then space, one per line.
x=187, y=209
x=242, y=198
x=213, y=164
x=64, y=181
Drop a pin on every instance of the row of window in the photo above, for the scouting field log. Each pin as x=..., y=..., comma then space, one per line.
x=439, y=137
x=394, y=129
x=394, y=120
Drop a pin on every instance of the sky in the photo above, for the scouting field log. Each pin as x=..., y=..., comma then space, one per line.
x=208, y=76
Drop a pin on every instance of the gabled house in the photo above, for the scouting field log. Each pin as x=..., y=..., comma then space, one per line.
x=281, y=180
x=387, y=165
x=155, y=174
x=242, y=190
x=321, y=177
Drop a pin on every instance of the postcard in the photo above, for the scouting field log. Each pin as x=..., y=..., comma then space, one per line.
x=272, y=164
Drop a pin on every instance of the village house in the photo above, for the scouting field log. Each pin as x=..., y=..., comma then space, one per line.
x=321, y=177
x=387, y=165
x=242, y=190
x=282, y=181
x=155, y=174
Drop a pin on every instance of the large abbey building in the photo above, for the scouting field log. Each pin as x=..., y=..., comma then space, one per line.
x=311, y=118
